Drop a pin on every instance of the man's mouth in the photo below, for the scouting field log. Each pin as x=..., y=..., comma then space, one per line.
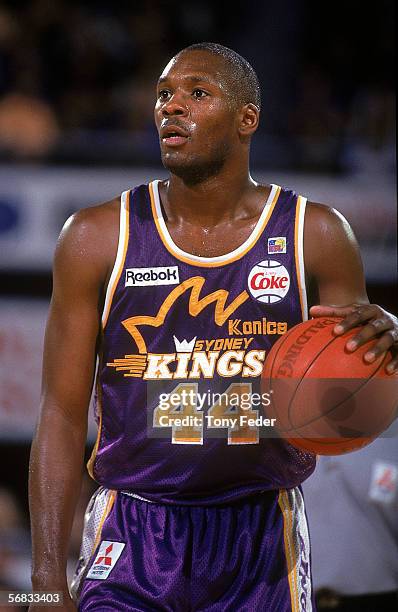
x=174, y=140
x=174, y=135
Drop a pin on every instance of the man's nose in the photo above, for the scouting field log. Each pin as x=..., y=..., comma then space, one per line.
x=176, y=105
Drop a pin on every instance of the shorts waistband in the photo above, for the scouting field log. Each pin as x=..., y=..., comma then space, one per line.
x=136, y=496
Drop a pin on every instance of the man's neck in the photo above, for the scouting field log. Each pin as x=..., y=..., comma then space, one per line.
x=208, y=203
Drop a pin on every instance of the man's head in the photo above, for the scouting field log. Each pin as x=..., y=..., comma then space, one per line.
x=207, y=109
x=240, y=78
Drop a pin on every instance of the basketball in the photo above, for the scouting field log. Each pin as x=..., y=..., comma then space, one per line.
x=325, y=399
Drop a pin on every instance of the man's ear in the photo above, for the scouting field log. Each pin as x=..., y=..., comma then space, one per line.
x=249, y=117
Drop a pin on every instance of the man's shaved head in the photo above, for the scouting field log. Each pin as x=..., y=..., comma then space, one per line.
x=241, y=79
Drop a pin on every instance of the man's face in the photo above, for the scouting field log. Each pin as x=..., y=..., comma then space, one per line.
x=195, y=115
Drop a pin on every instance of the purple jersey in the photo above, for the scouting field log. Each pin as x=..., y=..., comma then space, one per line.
x=180, y=409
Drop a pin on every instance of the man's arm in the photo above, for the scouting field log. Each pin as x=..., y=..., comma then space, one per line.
x=80, y=268
x=335, y=280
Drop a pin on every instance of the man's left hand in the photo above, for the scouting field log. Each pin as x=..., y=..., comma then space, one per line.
x=376, y=322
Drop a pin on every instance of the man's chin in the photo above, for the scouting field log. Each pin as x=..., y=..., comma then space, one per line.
x=182, y=168
x=191, y=171
x=174, y=159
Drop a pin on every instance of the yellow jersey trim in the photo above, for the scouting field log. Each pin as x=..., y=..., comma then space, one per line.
x=299, y=254
x=120, y=256
x=220, y=260
x=109, y=505
x=288, y=538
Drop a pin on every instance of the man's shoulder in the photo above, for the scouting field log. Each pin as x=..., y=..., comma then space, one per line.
x=328, y=239
x=104, y=213
x=324, y=217
x=90, y=236
x=97, y=214
x=324, y=225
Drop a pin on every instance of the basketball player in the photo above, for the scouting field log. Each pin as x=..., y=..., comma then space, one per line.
x=196, y=277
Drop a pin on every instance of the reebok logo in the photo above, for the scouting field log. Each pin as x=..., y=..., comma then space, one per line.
x=141, y=277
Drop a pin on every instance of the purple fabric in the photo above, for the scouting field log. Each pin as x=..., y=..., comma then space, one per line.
x=130, y=456
x=194, y=558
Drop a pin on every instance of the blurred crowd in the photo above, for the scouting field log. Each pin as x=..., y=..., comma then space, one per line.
x=77, y=78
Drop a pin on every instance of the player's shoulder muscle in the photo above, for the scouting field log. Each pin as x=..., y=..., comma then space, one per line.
x=87, y=244
x=323, y=219
x=327, y=236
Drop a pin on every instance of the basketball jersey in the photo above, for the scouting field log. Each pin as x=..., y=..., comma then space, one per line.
x=181, y=414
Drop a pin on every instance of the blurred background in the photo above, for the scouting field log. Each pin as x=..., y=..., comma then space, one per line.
x=77, y=90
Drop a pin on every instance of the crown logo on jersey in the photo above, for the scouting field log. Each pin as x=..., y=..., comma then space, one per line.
x=184, y=346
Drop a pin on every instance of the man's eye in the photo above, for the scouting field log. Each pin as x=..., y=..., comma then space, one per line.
x=163, y=94
x=199, y=93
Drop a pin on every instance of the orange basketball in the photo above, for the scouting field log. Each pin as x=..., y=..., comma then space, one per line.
x=325, y=399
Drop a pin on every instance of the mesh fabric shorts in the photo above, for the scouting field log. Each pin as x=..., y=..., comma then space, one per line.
x=252, y=555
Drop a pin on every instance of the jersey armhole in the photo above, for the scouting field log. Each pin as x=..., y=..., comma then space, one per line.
x=120, y=255
x=299, y=255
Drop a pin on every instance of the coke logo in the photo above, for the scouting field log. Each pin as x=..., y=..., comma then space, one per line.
x=268, y=281
x=261, y=281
